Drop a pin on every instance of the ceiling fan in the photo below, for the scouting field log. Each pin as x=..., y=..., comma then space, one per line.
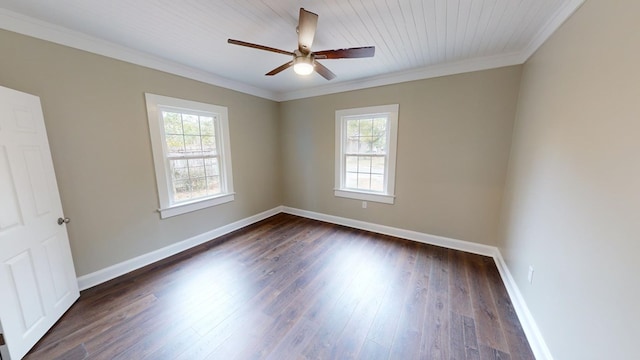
x=304, y=60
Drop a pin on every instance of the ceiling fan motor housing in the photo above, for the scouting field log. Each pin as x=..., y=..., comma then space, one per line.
x=304, y=60
x=303, y=64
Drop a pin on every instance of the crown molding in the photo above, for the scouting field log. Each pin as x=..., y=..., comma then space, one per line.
x=428, y=72
x=562, y=15
x=46, y=31
x=29, y=26
x=470, y=65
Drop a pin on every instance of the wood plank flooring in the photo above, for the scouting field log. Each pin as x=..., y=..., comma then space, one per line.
x=293, y=288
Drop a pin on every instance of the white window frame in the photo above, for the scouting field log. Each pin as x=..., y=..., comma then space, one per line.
x=161, y=162
x=386, y=196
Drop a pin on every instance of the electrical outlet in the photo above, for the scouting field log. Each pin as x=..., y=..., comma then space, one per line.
x=530, y=276
x=364, y=204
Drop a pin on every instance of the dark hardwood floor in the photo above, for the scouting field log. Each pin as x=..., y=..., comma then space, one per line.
x=290, y=288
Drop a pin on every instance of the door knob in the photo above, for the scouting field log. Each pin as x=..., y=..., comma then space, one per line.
x=63, y=221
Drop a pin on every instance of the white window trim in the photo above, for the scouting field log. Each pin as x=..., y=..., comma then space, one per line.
x=158, y=145
x=388, y=196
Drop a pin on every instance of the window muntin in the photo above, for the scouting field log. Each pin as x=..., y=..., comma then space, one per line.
x=192, y=155
x=365, y=153
x=191, y=152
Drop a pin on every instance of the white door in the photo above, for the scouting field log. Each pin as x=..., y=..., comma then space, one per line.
x=37, y=279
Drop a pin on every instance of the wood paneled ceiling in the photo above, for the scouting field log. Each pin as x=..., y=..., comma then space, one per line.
x=414, y=39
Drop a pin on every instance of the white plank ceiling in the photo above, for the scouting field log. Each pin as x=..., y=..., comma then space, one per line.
x=414, y=39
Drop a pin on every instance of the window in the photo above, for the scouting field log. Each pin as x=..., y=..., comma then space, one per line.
x=366, y=153
x=191, y=154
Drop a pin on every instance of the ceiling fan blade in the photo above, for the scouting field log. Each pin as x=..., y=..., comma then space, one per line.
x=259, y=47
x=307, y=24
x=280, y=68
x=358, y=52
x=323, y=71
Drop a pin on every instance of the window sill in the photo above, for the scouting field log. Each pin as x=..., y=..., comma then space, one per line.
x=381, y=198
x=184, y=208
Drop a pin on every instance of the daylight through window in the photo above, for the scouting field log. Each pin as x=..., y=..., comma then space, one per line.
x=190, y=144
x=365, y=152
x=192, y=155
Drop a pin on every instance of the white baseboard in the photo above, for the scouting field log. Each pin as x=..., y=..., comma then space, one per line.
x=454, y=244
x=111, y=272
x=531, y=330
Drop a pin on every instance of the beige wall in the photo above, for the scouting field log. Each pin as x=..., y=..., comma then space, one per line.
x=572, y=206
x=96, y=120
x=454, y=136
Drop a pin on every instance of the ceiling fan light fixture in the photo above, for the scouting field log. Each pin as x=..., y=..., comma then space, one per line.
x=304, y=60
x=303, y=65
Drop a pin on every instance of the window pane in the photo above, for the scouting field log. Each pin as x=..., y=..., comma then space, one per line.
x=377, y=165
x=364, y=181
x=212, y=167
x=352, y=145
x=366, y=127
x=186, y=134
x=196, y=172
x=352, y=128
x=364, y=164
x=196, y=162
x=213, y=185
x=179, y=170
x=190, y=124
x=198, y=188
x=351, y=163
x=378, y=144
x=175, y=144
x=377, y=182
x=364, y=145
x=379, y=126
x=172, y=123
x=206, y=125
x=365, y=136
x=209, y=144
x=179, y=163
x=366, y=142
x=181, y=190
x=195, y=178
x=192, y=143
x=351, y=180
